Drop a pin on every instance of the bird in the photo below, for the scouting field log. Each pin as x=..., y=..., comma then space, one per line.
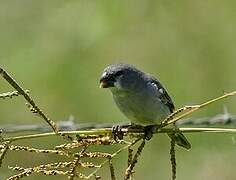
x=140, y=97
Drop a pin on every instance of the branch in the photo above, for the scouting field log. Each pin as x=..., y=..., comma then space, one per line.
x=25, y=94
x=183, y=112
x=126, y=131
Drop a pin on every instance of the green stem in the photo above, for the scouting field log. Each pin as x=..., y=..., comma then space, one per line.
x=108, y=131
x=197, y=107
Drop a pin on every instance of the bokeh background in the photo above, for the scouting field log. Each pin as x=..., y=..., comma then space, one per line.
x=58, y=49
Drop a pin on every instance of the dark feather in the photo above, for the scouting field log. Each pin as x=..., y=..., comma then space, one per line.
x=165, y=98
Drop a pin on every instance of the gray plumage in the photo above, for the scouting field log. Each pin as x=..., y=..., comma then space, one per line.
x=139, y=96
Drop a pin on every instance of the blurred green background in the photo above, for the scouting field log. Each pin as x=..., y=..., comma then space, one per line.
x=58, y=49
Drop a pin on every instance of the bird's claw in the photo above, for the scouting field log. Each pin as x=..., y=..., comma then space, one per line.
x=117, y=132
x=149, y=131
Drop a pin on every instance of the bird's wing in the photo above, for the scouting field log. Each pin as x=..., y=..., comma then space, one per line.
x=164, y=97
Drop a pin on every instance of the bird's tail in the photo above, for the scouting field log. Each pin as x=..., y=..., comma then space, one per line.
x=180, y=140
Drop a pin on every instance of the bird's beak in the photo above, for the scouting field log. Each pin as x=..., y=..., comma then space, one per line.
x=106, y=83
x=103, y=84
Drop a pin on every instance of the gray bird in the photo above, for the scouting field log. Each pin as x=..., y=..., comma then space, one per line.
x=140, y=97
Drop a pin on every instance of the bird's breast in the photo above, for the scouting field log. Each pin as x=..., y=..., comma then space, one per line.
x=140, y=108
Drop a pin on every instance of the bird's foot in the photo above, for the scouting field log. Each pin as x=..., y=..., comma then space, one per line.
x=117, y=132
x=149, y=131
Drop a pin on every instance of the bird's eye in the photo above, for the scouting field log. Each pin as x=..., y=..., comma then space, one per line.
x=119, y=73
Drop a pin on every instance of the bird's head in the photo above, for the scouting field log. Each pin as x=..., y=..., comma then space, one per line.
x=120, y=77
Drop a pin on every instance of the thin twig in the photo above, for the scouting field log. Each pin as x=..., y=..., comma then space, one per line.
x=130, y=168
x=3, y=151
x=25, y=173
x=27, y=97
x=112, y=170
x=190, y=109
x=75, y=163
x=112, y=156
x=35, y=150
x=172, y=158
x=130, y=155
x=108, y=131
x=10, y=94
